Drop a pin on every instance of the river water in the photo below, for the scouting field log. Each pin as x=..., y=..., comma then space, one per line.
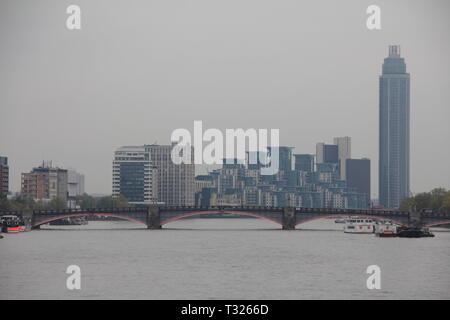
x=220, y=259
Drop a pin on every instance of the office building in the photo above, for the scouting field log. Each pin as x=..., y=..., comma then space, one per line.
x=304, y=162
x=176, y=184
x=4, y=176
x=344, y=153
x=358, y=176
x=327, y=153
x=134, y=175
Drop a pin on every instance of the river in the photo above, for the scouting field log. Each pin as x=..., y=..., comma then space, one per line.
x=220, y=259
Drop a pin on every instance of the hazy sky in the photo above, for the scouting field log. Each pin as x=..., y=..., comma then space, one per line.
x=137, y=70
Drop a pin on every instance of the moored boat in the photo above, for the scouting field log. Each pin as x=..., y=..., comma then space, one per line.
x=12, y=224
x=69, y=222
x=359, y=225
x=385, y=230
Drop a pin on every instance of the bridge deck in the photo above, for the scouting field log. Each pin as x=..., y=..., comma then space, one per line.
x=158, y=215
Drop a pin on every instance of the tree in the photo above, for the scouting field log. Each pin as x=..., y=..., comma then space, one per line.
x=57, y=204
x=120, y=202
x=110, y=202
x=4, y=203
x=437, y=197
x=22, y=203
x=407, y=204
x=422, y=201
x=40, y=205
x=445, y=207
x=86, y=201
x=437, y=200
x=104, y=202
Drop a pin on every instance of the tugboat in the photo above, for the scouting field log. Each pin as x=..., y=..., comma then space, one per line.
x=414, y=232
x=12, y=224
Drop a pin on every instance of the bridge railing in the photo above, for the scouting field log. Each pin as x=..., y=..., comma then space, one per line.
x=10, y=212
x=204, y=208
x=92, y=210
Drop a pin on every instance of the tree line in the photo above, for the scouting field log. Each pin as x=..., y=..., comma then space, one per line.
x=437, y=200
x=23, y=203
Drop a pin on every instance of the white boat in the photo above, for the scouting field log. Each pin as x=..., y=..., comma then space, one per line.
x=359, y=225
x=385, y=229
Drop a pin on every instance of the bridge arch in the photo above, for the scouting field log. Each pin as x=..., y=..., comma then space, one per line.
x=437, y=223
x=87, y=214
x=346, y=215
x=242, y=213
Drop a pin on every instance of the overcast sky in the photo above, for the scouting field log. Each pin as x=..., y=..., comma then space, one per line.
x=137, y=70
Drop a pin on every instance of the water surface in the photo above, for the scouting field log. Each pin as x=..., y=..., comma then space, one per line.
x=220, y=259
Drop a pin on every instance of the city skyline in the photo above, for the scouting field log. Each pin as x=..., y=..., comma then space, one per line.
x=212, y=157
x=146, y=174
x=88, y=105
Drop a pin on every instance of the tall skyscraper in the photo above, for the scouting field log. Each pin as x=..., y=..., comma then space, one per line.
x=134, y=175
x=394, y=130
x=344, y=153
x=4, y=175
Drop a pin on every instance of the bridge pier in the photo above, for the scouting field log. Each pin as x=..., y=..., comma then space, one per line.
x=153, y=217
x=32, y=221
x=288, y=218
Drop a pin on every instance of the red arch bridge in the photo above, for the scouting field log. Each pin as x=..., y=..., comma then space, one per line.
x=154, y=217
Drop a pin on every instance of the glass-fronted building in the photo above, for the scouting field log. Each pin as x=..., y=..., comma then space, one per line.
x=394, y=130
x=304, y=162
x=134, y=175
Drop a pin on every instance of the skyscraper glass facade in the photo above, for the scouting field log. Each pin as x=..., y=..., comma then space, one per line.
x=304, y=162
x=132, y=181
x=134, y=175
x=394, y=130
